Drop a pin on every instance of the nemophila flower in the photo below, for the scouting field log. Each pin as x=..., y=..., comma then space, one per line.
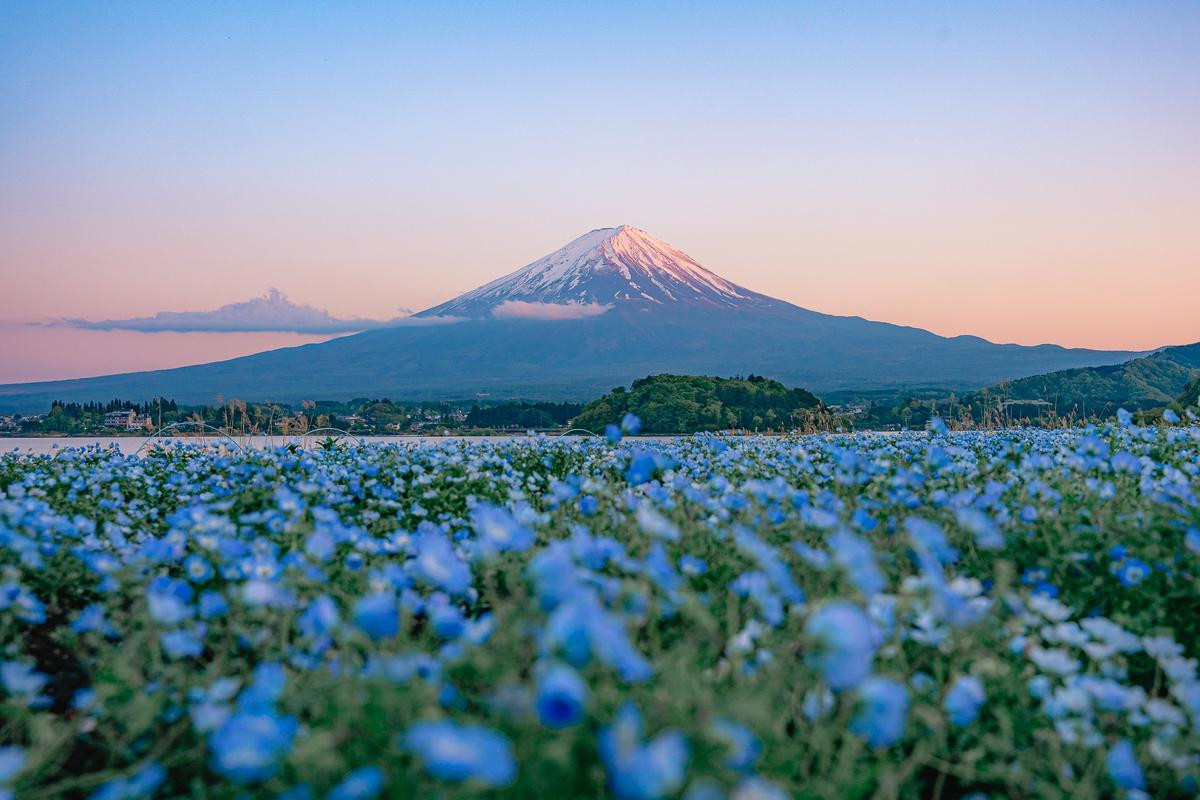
x=12, y=761
x=654, y=523
x=248, y=746
x=212, y=605
x=691, y=566
x=1192, y=540
x=881, y=711
x=560, y=697
x=499, y=530
x=197, y=569
x=438, y=564
x=319, y=617
x=168, y=600
x=141, y=784
x=92, y=619
x=630, y=424
x=964, y=700
x=22, y=680
x=842, y=644
x=756, y=788
x=361, y=784
x=1170, y=416
x=1124, y=418
x=743, y=746
x=183, y=643
x=637, y=769
x=1123, y=766
x=1132, y=571
x=23, y=603
x=643, y=465
x=612, y=433
x=854, y=555
x=456, y=752
x=929, y=537
x=377, y=616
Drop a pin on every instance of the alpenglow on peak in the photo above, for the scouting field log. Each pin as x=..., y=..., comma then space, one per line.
x=602, y=268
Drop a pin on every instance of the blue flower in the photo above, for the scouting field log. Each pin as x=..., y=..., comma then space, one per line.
x=377, y=616
x=964, y=700
x=843, y=644
x=744, y=748
x=756, y=788
x=561, y=695
x=630, y=424
x=248, y=746
x=496, y=527
x=213, y=605
x=22, y=680
x=319, y=618
x=168, y=600
x=1191, y=540
x=1132, y=572
x=143, y=783
x=12, y=761
x=882, y=711
x=183, y=643
x=439, y=565
x=1123, y=766
x=197, y=569
x=1170, y=416
x=456, y=752
x=1124, y=418
x=612, y=433
x=361, y=784
x=640, y=770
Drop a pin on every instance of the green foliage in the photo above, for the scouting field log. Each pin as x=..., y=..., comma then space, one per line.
x=1191, y=396
x=691, y=403
x=1097, y=392
x=523, y=415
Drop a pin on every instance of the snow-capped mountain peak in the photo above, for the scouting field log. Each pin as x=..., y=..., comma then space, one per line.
x=602, y=268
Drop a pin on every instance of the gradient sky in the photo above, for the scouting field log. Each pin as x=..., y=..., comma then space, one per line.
x=1027, y=172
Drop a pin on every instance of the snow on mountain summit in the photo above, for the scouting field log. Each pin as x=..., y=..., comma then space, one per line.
x=604, y=267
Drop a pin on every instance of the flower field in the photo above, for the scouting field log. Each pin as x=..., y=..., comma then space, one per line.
x=1008, y=614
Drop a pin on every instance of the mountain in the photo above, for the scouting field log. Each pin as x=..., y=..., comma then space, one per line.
x=1152, y=381
x=613, y=305
x=604, y=268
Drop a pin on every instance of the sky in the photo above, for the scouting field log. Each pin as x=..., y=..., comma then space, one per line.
x=1026, y=172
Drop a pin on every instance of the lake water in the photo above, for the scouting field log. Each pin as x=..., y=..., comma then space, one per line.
x=131, y=444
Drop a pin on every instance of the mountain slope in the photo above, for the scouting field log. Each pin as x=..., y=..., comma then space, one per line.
x=1141, y=383
x=649, y=309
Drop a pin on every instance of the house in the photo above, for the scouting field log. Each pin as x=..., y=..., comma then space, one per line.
x=126, y=419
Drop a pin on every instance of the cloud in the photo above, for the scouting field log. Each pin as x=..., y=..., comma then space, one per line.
x=271, y=312
x=520, y=309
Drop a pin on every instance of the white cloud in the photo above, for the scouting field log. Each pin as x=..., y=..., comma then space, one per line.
x=520, y=309
x=271, y=312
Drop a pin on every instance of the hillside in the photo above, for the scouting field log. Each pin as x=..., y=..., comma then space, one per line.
x=688, y=403
x=1141, y=383
x=1191, y=396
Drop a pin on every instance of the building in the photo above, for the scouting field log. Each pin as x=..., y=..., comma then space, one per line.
x=126, y=419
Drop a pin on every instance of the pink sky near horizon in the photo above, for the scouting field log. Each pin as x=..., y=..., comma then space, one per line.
x=1024, y=173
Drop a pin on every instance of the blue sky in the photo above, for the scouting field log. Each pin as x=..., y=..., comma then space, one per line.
x=999, y=169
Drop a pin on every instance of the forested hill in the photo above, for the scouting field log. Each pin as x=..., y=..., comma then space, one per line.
x=689, y=403
x=1147, y=382
x=1191, y=396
